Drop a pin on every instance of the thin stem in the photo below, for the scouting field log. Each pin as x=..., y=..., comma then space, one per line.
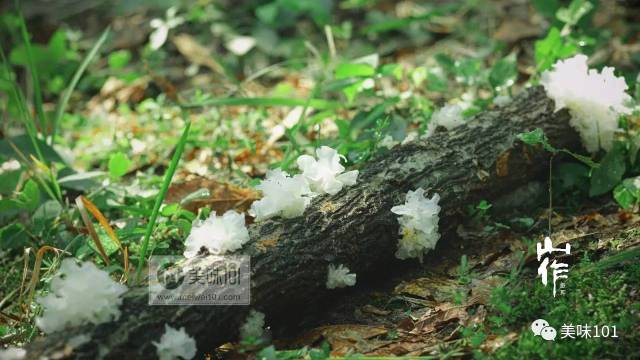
x=160, y=198
x=62, y=105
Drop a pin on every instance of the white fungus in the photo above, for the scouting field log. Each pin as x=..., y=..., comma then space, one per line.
x=218, y=234
x=80, y=294
x=502, y=100
x=283, y=195
x=388, y=142
x=175, y=344
x=326, y=174
x=339, y=277
x=253, y=326
x=418, y=224
x=411, y=136
x=594, y=99
x=448, y=116
x=13, y=353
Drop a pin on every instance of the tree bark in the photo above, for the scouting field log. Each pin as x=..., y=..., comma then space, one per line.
x=479, y=160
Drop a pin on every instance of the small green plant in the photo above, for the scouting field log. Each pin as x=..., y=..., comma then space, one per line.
x=160, y=198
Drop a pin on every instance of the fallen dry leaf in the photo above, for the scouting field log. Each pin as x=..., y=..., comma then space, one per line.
x=494, y=342
x=342, y=338
x=433, y=287
x=191, y=49
x=374, y=310
x=441, y=316
x=222, y=197
x=513, y=30
x=481, y=288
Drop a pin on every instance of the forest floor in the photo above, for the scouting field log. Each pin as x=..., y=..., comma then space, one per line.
x=362, y=85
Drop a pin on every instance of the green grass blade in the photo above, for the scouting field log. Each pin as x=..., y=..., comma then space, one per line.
x=629, y=255
x=314, y=103
x=160, y=198
x=62, y=104
x=21, y=102
x=37, y=91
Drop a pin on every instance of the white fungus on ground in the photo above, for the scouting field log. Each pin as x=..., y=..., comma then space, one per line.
x=175, y=344
x=218, y=234
x=325, y=174
x=253, y=326
x=418, y=224
x=80, y=294
x=339, y=277
x=595, y=99
x=283, y=195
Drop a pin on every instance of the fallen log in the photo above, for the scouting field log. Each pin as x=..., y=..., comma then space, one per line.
x=479, y=160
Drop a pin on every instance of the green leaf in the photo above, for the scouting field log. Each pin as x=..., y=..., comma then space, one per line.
x=523, y=222
x=268, y=353
x=610, y=172
x=552, y=48
x=537, y=137
x=29, y=198
x=484, y=205
x=64, y=99
x=169, y=210
x=418, y=75
x=352, y=90
x=547, y=8
x=436, y=81
x=468, y=71
x=446, y=62
x=110, y=246
x=576, y=10
x=24, y=144
x=118, y=165
x=393, y=70
x=627, y=194
x=634, y=145
x=13, y=236
x=624, y=197
x=82, y=181
x=267, y=13
x=47, y=211
x=504, y=72
x=160, y=198
x=346, y=70
x=9, y=181
x=119, y=59
x=571, y=175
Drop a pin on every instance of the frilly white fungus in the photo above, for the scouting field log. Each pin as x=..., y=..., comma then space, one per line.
x=80, y=294
x=339, y=277
x=218, y=234
x=326, y=174
x=175, y=344
x=594, y=99
x=283, y=195
x=418, y=224
x=253, y=326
